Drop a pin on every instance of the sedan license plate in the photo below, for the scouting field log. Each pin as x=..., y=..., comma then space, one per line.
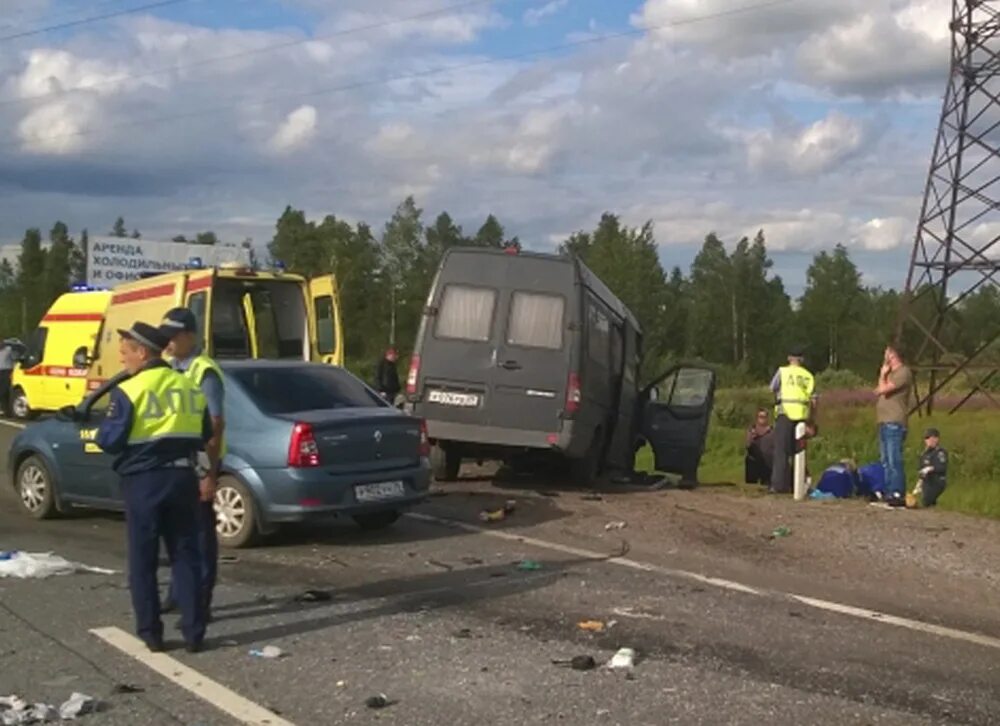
x=448, y=398
x=379, y=491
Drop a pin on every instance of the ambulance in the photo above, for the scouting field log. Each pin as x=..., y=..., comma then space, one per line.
x=241, y=312
x=52, y=370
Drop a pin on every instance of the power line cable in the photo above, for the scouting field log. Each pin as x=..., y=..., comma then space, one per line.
x=416, y=75
x=247, y=53
x=91, y=19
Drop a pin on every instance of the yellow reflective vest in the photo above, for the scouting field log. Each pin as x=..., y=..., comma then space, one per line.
x=196, y=371
x=166, y=405
x=795, y=393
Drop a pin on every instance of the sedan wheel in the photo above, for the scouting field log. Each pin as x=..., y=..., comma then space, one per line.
x=35, y=488
x=235, y=514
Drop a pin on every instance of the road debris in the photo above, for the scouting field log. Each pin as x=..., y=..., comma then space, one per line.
x=471, y=561
x=123, y=689
x=268, y=651
x=379, y=701
x=578, y=663
x=441, y=565
x=464, y=633
x=529, y=566
x=610, y=526
x=79, y=704
x=40, y=565
x=591, y=626
x=624, y=659
x=313, y=596
x=498, y=515
x=228, y=559
x=592, y=498
x=780, y=532
x=631, y=613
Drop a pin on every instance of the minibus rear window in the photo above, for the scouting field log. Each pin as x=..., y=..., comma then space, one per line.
x=466, y=313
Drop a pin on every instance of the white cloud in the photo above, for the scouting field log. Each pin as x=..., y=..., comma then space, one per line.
x=534, y=16
x=808, y=151
x=885, y=234
x=296, y=131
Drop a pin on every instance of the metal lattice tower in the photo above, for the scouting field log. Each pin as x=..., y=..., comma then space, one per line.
x=956, y=251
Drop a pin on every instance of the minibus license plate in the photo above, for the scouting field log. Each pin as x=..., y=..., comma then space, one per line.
x=379, y=491
x=447, y=398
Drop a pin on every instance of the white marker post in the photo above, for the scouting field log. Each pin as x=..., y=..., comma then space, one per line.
x=799, y=467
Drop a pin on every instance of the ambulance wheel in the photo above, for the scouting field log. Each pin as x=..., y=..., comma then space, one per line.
x=445, y=462
x=235, y=514
x=19, y=406
x=36, y=488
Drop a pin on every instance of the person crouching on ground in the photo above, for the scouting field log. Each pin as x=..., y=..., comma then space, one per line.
x=759, y=449
x=933, y=470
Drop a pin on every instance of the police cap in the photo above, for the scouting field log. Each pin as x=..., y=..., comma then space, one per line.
x=179, y=320
x=932, y=432
x=147, y=336
x=796, y=351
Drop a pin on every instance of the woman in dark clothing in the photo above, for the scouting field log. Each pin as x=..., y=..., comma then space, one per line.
x=759, y=449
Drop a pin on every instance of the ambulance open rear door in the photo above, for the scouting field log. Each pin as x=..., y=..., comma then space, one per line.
x=326, y=333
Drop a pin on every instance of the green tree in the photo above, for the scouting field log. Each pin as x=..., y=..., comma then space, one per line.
x=299, y=246
x=711, y=333
x=206, y=238
x=831, y=305
x=31, y=279
x=491, y=234
x=442, y=236
x=118, y=230
x=78, y=258
x=58, y=263
x=407, y=270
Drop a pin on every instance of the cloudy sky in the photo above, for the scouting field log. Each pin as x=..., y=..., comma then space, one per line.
x=813, y=119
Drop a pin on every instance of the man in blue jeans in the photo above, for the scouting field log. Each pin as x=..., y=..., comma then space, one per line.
x=895, y=381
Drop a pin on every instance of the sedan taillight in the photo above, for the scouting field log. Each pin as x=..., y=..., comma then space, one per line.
x=303, y=452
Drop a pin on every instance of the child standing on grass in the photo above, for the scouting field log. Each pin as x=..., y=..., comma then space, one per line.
x=933, y=470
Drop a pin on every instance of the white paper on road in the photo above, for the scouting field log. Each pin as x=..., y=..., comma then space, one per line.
x=15, y=711
x=39, y=565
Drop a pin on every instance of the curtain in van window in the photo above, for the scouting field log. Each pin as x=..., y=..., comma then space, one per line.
x=466, y=313
x=536, y=321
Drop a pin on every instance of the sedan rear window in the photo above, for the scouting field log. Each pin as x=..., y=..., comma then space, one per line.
x=309, y=388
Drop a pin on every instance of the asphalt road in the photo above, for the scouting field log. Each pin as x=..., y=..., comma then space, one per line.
x=440, y=619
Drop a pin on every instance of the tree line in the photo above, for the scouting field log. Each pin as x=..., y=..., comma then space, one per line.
x=728, y=309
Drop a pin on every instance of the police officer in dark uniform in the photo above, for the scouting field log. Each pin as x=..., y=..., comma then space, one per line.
x=156, y=423
x=933, y=469
x=181, y=328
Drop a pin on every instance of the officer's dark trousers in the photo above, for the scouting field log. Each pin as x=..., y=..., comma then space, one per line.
x=208, y=551
x=164, y=504
x=784, y=449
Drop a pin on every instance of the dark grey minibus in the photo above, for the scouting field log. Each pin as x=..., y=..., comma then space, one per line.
x=521, y=352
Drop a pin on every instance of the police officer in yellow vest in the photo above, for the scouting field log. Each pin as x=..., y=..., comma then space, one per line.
x=794, y=387
x=181, y=327
x=157, y=423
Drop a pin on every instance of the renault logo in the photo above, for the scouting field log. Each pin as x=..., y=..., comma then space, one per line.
x=378, y=437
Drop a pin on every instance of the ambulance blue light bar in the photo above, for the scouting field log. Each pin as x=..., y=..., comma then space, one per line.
x=195, y=263
x=86, y=288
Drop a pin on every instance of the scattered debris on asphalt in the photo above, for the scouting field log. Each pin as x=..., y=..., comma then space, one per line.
x=313, y=596
x=498, y=515
x=15, y=711
x=123, y=689
x=631, y=613
x=268, y=651
x=592, y=498
x=471, y=561
x=464, y=633
x=228, y=559
x=780, y=532
x=379, y=701
x=615, y=525
x=591, y=626
x=624, y=659
x=529, y=566
x=578, y=663
x=441, y=565
x=40, y=565
x=79, y=704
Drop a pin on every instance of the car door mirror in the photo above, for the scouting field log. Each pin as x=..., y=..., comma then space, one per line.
x=81, y=358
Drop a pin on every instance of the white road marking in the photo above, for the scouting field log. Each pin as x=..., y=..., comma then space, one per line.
x=12, y=424
x=244, y=711
x=827, y=605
